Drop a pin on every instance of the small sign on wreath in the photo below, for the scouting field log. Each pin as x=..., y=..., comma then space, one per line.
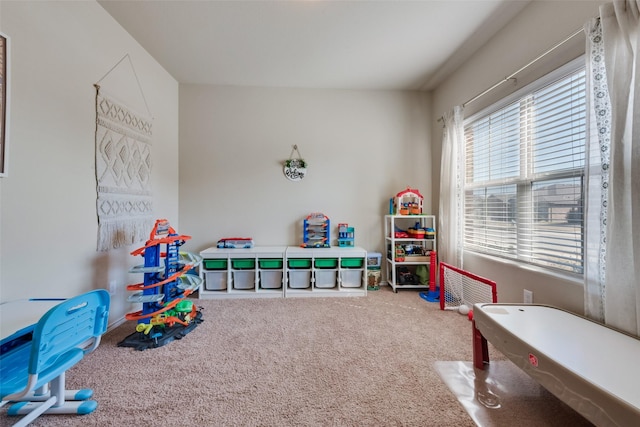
x=295, y=169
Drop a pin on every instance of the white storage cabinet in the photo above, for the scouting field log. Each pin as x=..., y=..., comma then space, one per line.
x=276, y=271
x=335, y=271
x=237, y=273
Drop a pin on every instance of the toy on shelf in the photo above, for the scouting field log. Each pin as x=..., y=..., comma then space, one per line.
x=346, y=236
x=166, y=313
x=316, y=231
x=407, y=202
x=235, y=243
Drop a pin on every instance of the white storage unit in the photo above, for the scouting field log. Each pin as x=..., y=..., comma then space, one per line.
x=335, y=271
x=406, y=253
x=278, y=271
x=248, y=272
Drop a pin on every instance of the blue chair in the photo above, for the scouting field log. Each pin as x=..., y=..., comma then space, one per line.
x=32, y=375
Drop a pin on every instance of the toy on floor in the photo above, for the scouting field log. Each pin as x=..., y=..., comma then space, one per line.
x=166, y=313
x=316, y=232
x=374, y=277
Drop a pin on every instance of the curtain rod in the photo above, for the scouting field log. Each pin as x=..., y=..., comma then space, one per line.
x=512, y=75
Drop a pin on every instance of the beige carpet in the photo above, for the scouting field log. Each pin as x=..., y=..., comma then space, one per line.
x=360, y=361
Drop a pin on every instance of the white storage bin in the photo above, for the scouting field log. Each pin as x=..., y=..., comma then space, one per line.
x=244, y=279
x=299, y=279
x=271, y=279
x=215, y=280
x=351, y=278
x=325, y=279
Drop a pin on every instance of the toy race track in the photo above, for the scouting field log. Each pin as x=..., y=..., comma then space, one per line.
x=166, y=314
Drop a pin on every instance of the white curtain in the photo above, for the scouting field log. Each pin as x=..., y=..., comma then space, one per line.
x=612, y=271
x=450, y=224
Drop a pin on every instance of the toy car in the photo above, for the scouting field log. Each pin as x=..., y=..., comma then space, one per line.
x=235, y=243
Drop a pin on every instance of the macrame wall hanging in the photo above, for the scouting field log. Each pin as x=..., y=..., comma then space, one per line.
x=123, y=170
x=295, y=168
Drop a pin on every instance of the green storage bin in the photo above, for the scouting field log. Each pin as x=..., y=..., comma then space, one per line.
x=299, y=263
x=352, y=262
x=326, y=262
x=270, y=263
x=243, y=263
x=215, y=264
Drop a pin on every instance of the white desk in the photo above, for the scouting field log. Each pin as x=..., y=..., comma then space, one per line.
x=19, y=317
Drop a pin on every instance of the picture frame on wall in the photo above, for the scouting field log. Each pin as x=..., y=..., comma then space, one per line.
x=4, y=101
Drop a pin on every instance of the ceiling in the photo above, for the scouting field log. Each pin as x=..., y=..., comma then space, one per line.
x=367, y=44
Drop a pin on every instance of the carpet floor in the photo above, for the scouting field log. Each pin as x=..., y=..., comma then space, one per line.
x=357, y=361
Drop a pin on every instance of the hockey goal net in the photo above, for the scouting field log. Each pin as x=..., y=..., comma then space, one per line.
x=459, y=287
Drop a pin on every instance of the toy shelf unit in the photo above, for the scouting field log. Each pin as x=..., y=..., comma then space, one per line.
x=247, y=272
x=325, y=272
x=409, y=241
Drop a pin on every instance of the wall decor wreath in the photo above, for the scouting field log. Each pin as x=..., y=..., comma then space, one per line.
x=295, y=168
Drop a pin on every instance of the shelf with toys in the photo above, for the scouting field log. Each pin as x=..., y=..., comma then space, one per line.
x=243, y=272
x=291, y=271
x=410, y=240
x=333, y=271
x=235, y=268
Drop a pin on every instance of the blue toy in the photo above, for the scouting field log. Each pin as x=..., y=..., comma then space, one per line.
x=346, y=236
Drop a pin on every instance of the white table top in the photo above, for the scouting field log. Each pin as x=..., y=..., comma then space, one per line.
x=19, y=314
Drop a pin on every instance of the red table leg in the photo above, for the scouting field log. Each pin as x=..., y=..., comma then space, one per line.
x=480, y=348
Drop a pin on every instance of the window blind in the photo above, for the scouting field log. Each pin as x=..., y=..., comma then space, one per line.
x=524, y=176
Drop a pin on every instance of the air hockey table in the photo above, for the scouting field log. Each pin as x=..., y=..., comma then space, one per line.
x=593, y=368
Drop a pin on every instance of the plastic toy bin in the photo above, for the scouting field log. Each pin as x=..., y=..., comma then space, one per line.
x=351, y=278
x=271, y=279
x=215, y=280
x=244, y=279
x=299, y=263
x=215, y=264
x=325, y=278
x=268, y=263
x=299, y=279
x=374, y=259
x=351, y=262
x=243, y=264
x=326, y=262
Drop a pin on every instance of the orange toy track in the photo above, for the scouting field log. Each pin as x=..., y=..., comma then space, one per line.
x=174, y=276
x=138, y=314
x=140, y=286
x=156, y=242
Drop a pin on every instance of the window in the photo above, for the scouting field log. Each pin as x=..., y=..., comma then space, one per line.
x=525, y=174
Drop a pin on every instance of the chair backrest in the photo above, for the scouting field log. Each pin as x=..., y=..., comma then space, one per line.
x=77, y=322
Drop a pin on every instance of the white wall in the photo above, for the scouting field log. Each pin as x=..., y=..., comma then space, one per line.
x=48, y=221
x=541, y=25
x=362, y=148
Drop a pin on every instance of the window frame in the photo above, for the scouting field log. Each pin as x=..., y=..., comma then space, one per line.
x=524, y=186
